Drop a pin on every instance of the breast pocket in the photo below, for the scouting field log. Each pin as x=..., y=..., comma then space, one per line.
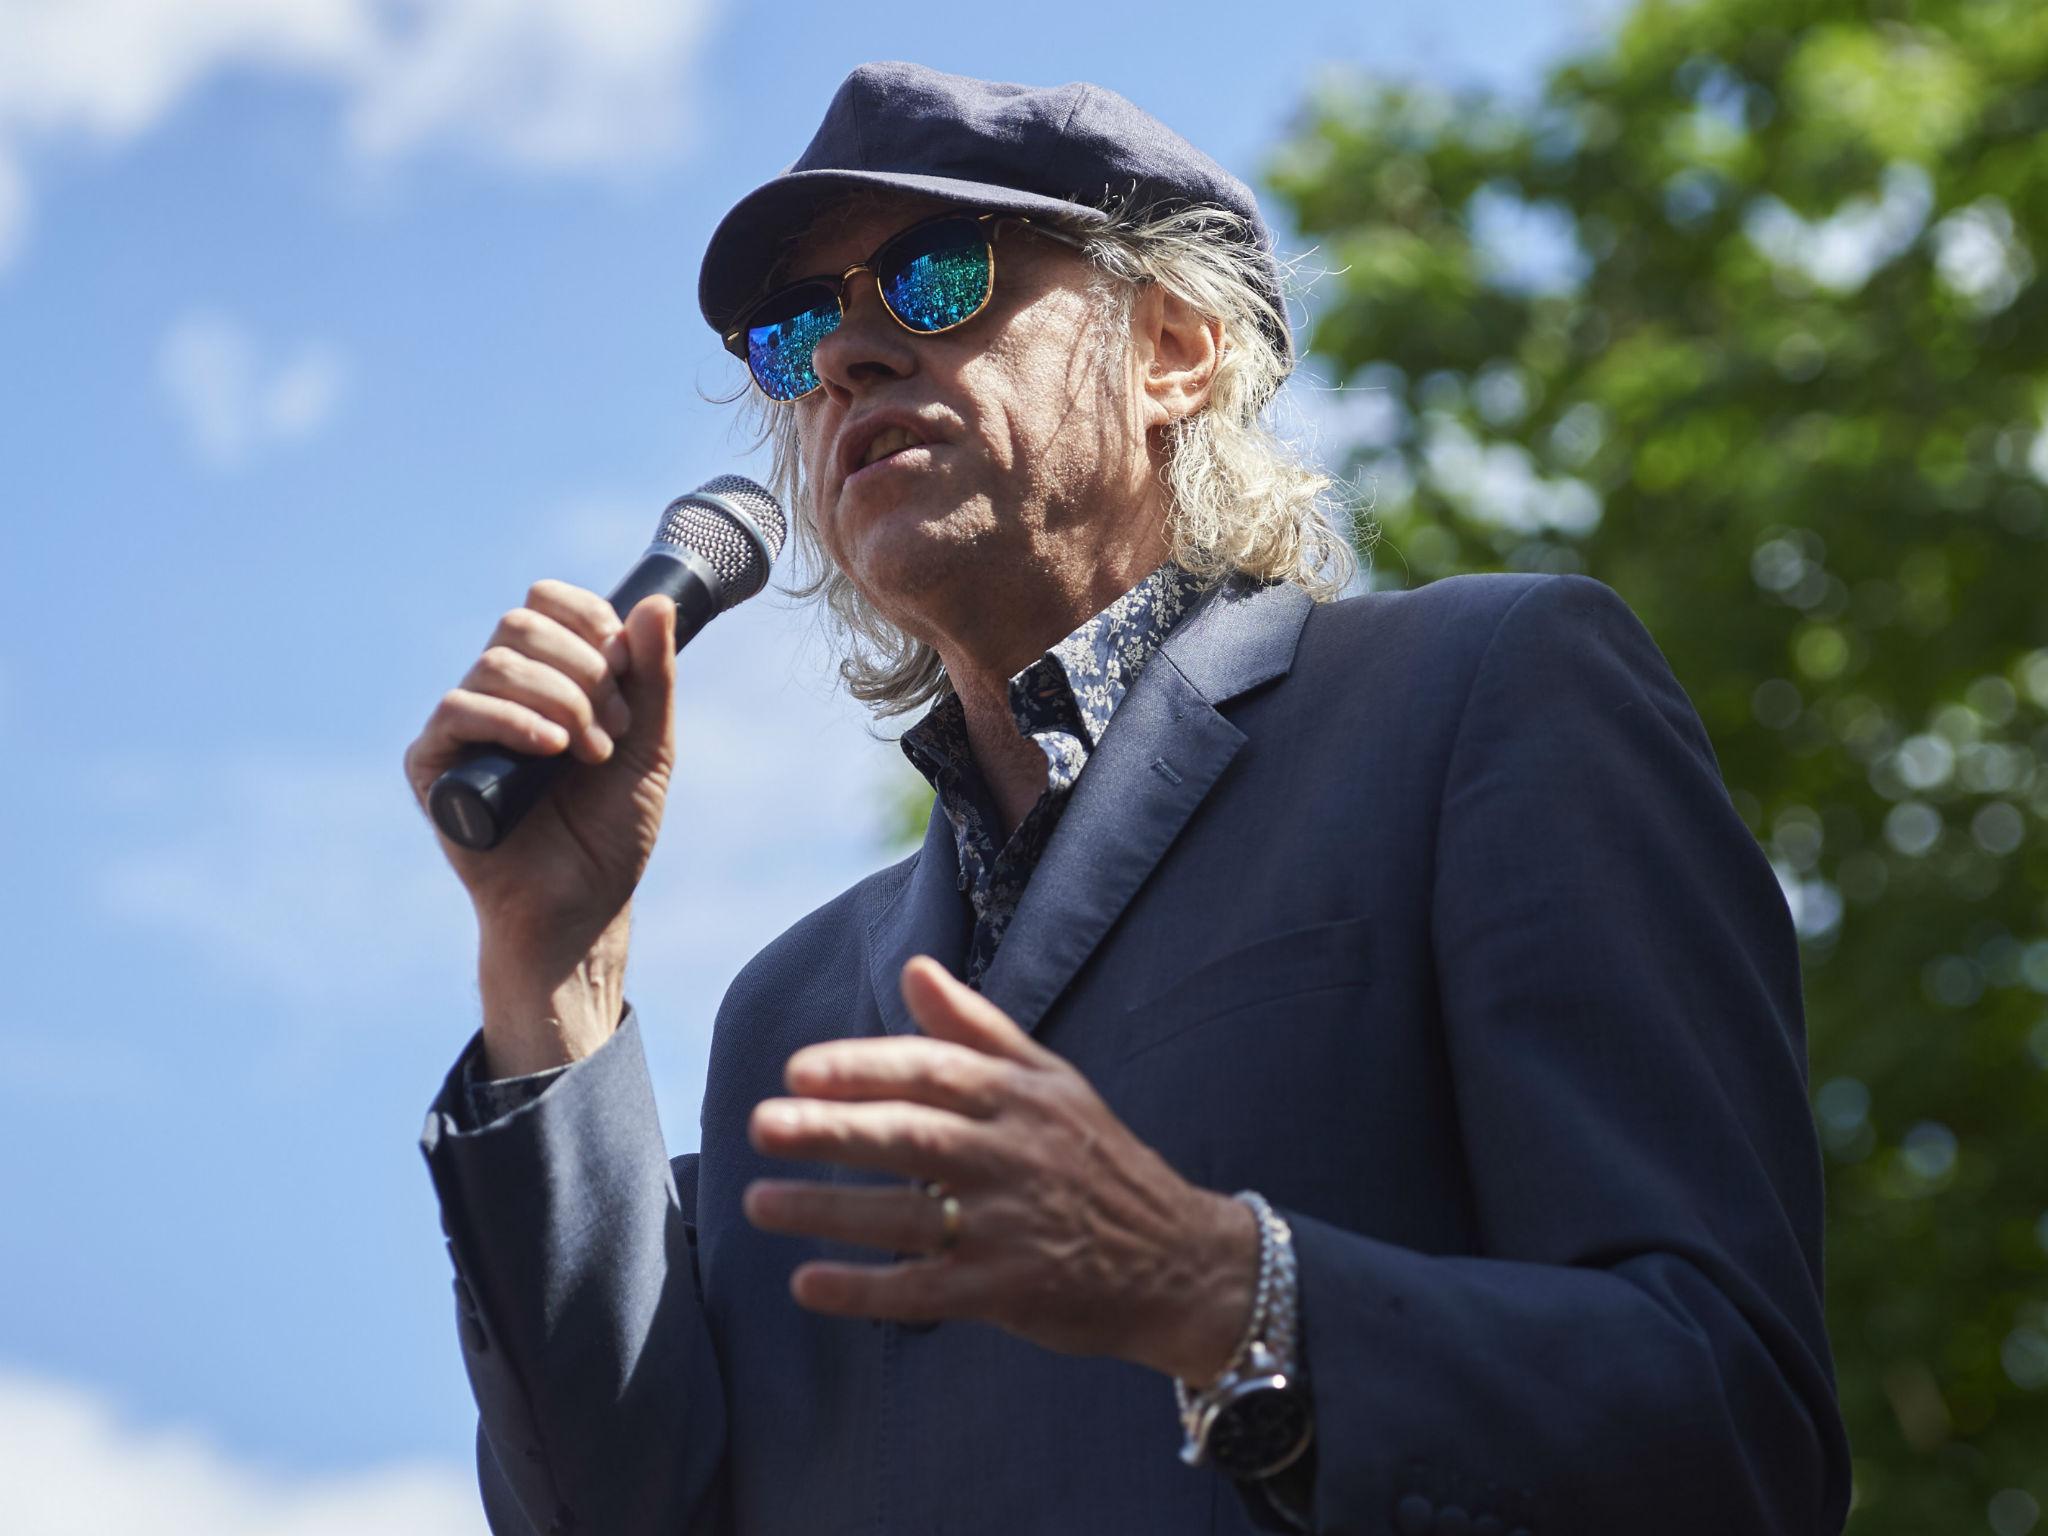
x=1321, y=957
x=1253, y=1069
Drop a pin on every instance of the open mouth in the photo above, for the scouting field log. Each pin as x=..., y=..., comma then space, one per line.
x=889, y=442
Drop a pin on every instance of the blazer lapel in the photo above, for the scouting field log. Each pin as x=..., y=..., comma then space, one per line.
x=1165, y=748
x=930, y=916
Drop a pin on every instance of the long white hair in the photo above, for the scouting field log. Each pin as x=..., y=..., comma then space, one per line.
x=1242, y=497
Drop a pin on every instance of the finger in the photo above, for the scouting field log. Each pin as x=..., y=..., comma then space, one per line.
x=913, y=1140
x=509, y=674
x=947, y=1009
x=548, y=640
x=465, y=716
x=582, y=610
x=901, y=1220
x=462, y=718
x=649, y=681
x=916, y=1290
x=921, y=1071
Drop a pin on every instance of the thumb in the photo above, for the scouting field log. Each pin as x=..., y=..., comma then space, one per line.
x=948, y=1009
x=649, y=683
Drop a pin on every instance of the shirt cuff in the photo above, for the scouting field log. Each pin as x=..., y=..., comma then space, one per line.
x=492, y=1099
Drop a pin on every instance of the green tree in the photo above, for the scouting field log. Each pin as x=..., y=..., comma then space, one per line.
x=1741, y=315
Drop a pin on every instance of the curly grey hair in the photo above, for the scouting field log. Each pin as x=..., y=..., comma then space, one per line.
x=1241, y=496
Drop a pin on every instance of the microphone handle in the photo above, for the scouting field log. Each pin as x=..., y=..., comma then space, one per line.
x=481, y=799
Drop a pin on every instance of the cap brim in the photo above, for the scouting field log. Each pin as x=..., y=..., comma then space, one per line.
x=743, y=249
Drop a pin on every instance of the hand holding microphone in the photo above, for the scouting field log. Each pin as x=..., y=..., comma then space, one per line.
x=547, y=769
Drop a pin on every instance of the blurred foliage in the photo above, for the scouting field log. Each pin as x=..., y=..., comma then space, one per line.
x=1742, y=316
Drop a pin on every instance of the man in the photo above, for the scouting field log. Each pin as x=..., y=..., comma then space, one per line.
x=1354, y=1045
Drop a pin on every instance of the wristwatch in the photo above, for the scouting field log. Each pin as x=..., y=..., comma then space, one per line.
x=1255, y=1419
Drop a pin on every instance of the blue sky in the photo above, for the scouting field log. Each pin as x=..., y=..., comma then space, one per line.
x=328, y=326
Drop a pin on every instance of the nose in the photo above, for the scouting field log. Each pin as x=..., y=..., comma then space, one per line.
x=866, y=347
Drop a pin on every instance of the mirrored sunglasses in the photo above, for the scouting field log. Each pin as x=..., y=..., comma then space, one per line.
x=933, y=276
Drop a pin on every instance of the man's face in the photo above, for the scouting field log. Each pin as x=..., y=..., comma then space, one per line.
x=1005, y=453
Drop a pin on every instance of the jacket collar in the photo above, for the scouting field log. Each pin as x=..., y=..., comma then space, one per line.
x=1165, y=749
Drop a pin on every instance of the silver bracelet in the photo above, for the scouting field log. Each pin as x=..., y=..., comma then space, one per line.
x=1272, y=1232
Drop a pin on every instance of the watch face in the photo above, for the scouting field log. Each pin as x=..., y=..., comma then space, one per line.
x=1259, y=1433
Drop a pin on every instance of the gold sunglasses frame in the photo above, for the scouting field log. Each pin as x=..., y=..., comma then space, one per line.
x=736, y=340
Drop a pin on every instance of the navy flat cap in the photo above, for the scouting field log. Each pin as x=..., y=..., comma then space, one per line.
x=1013, y=148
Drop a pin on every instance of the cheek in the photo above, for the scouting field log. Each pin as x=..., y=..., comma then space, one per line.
x=1039, y=390
x=811, y=439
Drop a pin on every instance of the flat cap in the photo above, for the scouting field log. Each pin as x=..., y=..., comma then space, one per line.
x=1012, y=148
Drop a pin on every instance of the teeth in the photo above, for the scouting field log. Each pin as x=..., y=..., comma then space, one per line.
x=891, y=440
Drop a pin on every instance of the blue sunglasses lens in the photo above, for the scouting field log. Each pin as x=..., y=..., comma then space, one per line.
x=938, y=276
x=781, y=339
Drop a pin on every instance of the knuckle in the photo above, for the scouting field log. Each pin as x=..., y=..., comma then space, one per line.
x=577, y=704
x=524, y=625
x=956, y=1077
x=926, y=1138
x=500, y=662
x=817, y=1068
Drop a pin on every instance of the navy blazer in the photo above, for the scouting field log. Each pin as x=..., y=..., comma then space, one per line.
x=1425, y=914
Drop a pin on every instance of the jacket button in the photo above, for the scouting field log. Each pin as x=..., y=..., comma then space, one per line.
x=1413, y=1514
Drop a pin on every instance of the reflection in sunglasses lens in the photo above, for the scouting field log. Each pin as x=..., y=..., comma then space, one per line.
x=944, y=282
x=779, y=351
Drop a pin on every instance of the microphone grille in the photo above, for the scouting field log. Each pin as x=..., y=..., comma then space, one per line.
x=736, y=525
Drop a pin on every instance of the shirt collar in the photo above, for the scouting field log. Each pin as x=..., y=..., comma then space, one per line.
x=1075, y=685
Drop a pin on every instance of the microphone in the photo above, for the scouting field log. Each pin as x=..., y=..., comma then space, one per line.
x=713, y=549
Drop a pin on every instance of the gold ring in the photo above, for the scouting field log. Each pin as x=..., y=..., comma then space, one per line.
x=949, y=1212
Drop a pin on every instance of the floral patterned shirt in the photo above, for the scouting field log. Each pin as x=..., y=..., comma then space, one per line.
x=1063, y=701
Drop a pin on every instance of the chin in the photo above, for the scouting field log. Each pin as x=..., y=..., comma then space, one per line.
x=900, y=566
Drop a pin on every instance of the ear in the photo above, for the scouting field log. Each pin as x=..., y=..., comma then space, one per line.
x=1176, y=349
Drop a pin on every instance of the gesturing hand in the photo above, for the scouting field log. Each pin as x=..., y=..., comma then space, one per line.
x=1074, y=1234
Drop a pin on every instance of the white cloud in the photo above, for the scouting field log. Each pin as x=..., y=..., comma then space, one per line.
x=300, y=396
x=230, y=399
x=545, y=84
x=71, y=1467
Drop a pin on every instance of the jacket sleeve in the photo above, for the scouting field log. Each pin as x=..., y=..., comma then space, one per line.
x=1638, y=1344
x=600, y=1401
